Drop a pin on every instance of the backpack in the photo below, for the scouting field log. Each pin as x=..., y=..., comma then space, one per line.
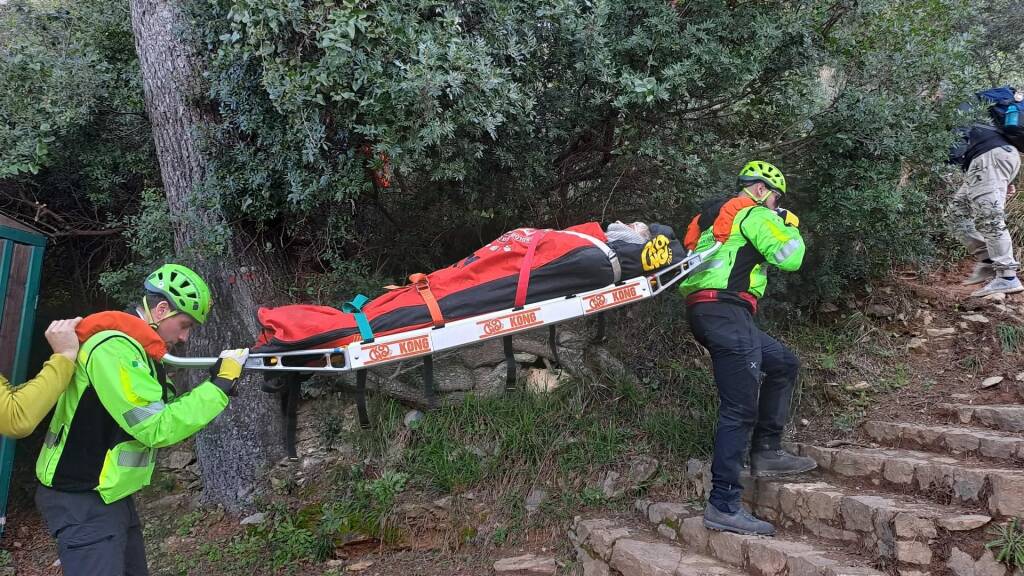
x=958, y=151
x=1006, y=109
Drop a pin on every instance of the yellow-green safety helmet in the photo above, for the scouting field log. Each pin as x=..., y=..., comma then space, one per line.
x=183, y=288
x=761, y=171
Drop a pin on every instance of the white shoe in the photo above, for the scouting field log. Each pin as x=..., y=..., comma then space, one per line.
x=1000, y=285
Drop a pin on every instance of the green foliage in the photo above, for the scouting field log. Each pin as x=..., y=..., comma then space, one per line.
x=356, y=507
x=188, y=522
x=1011, y=337
x=291, y=542
x=1008, y=543
x=579, y=428
x=74, y=136
x=683, y=426
x=496, y=114
x=6, y=559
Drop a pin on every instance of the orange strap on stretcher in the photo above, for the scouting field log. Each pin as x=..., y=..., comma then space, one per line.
x=422, y=285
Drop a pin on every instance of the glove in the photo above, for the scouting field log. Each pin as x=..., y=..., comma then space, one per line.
x=788, y=217
x=228, y=369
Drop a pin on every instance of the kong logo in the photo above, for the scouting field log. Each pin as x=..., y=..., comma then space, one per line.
x=492, y=327
x=613, y=297
x=415, y=346
x=380, y=352
x=509, y=323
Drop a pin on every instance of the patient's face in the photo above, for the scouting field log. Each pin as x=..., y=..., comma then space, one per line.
x=641, y=229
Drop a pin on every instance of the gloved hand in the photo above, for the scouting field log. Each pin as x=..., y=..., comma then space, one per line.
x=788, y=217
x=228, y=369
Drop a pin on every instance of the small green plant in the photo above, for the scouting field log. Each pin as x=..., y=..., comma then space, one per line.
x=1008, y=545
x=591, y=496
x=1011, y=337
x=897, y=378
x=292, y=543
x=970, y=363
x=827, y=361
x=848, y=420
x=188, y=522
x=6, y=560
x=500, y=535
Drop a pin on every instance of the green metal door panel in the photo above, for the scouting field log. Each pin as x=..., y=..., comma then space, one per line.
x=21, y=262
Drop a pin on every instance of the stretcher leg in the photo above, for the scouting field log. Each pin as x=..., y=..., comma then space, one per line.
x=290, y=399
x=553, y=343
x=599, y=336
x=510, y=363
x=428, y=379
x=364, y=417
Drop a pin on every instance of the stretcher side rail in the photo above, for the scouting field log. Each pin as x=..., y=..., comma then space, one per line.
x=476, y=329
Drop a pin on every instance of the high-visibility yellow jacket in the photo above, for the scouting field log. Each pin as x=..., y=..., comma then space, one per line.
x=118, y=409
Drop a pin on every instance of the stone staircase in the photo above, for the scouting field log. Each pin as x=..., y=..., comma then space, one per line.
x=918, y=501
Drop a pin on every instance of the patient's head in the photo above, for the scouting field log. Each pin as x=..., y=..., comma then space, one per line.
x=641, y=229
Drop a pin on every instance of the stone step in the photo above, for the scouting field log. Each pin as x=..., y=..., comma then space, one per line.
x=606, y=546
x=999, y=491
x=776, y=556
x=896, y=530
x=1009, y=418
x=956, y=440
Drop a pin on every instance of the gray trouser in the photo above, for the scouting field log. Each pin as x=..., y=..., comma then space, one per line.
x=94, y=538
x=978, y=209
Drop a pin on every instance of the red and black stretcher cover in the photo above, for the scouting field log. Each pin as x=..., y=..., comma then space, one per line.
x=520, y=267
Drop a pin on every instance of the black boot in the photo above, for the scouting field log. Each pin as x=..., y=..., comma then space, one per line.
x=738, y=522
x=779, y=463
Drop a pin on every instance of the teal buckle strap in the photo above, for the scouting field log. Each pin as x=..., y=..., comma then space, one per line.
x=355, y=308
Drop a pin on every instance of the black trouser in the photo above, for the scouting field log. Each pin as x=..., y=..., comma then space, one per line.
x=749, y=405
x=94, y=538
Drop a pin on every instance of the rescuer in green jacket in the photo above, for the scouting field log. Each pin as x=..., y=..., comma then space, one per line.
x=100, y=446
x=754, y=373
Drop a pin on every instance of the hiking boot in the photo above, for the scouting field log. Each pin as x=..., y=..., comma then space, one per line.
x=739, y=522
x=1000, y=285
x=779, y=463
x=983, y=272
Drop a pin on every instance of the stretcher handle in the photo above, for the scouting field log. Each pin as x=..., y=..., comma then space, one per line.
x=666, y=277
x=255, y=361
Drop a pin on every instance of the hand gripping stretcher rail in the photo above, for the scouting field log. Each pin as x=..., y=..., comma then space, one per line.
x=424, y=342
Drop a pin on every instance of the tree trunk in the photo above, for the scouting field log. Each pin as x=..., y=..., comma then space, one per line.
x=240, y=442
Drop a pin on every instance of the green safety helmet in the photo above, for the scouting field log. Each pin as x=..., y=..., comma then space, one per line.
x=183, y=288
x=761, y=171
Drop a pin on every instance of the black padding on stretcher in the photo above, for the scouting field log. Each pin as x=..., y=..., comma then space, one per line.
x=510, y=363
x=364, y=416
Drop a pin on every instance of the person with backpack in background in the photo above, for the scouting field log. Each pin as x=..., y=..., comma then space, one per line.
x=989, y=154
x=100, y=445
x=754, y=373
x=22, y=408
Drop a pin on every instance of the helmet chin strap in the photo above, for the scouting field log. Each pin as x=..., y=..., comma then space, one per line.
x=148, y=316
x=762, y=199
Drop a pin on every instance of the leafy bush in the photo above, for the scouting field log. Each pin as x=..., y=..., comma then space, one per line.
x=485, y=116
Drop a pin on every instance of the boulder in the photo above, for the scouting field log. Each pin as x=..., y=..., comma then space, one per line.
x=526, y=565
